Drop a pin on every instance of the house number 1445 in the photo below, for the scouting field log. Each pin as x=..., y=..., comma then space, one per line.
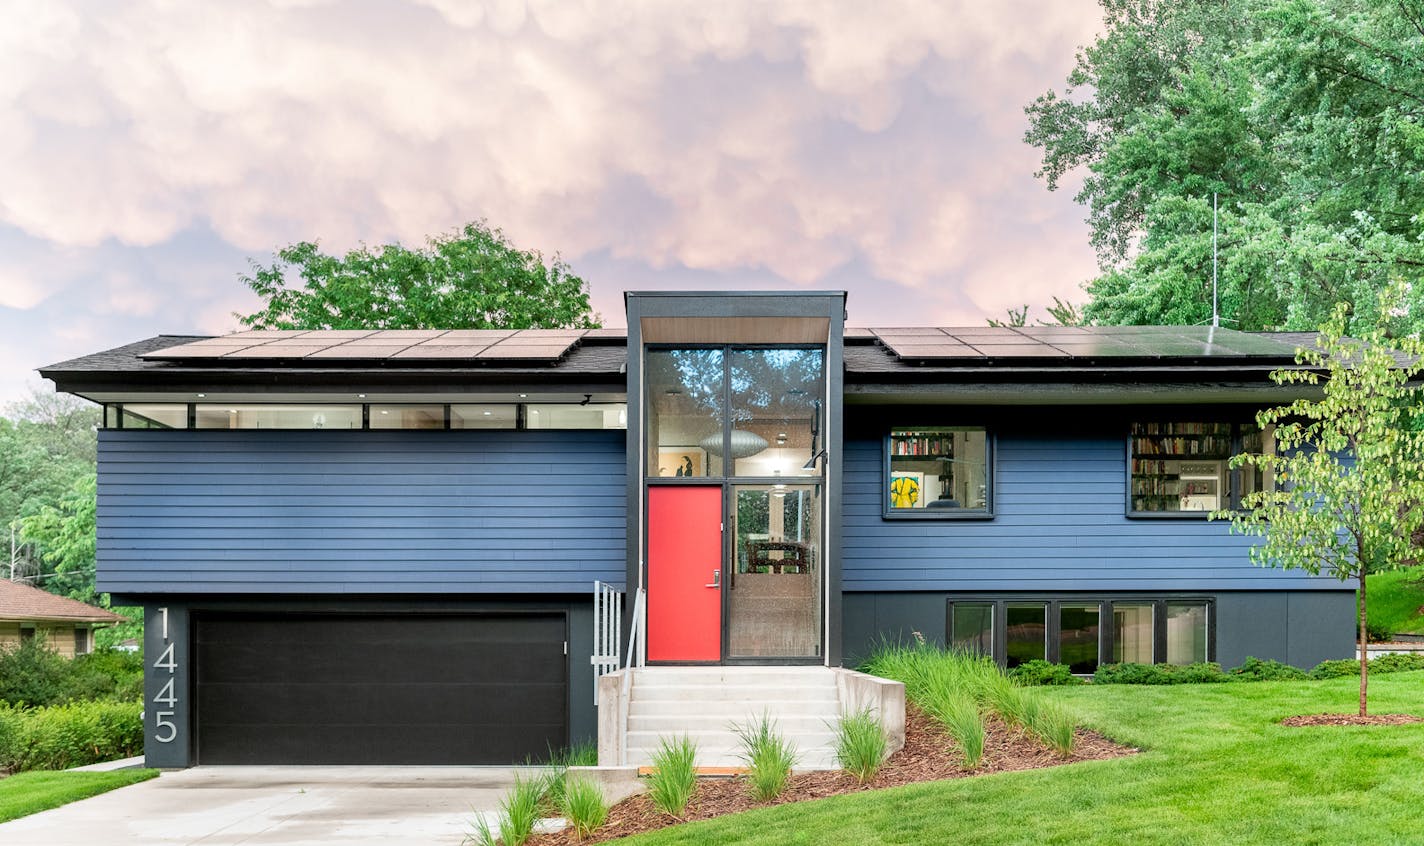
x=165, y=730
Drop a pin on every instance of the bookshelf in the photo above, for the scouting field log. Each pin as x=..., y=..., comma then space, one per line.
x=1179, y=466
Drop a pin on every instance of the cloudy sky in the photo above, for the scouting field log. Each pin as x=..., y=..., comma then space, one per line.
x=149, y=149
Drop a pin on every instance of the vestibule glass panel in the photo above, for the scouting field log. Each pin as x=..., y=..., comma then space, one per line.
x=685, y=412
x=278, y=417
x=1186, y=632
x=1133, y=633
x=774, y=581
x=1078, y=636
x=776, y=411
x=1026, y=630
x=971, y=627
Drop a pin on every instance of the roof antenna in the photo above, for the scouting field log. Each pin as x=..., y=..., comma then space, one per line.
x=1215, y=313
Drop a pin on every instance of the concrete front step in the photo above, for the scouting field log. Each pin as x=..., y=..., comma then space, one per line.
x=703, y=703
x=676, y=724
x=732, y=693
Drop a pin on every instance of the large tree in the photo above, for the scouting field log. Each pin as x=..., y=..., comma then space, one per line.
x=1301, y=116
x=473, y=278
x=1348, y=496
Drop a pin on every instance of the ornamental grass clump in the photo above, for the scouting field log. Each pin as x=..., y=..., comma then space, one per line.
x=518, y=812
x=769, y=758
x=584, y=805
x=674, y=777
x=965, y=723
x=860, y=745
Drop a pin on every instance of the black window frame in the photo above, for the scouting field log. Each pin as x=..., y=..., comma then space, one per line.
x=991, y=470
x=1233, y=474
x=1053, y=603
x=113, y=417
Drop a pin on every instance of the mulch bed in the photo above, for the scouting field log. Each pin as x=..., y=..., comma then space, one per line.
x=1351, y=720
x=929, y=754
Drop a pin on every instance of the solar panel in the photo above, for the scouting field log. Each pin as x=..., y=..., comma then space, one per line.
x=1121, y=343
x=377, y=345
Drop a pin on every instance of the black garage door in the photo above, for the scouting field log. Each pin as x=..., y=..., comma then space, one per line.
x=363, y=689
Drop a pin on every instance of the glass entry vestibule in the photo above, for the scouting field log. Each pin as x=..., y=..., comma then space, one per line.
x=735, y=524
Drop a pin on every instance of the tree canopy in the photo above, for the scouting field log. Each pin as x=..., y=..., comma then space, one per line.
x=1348, y=496
x=1302, y=116
x=473, y=278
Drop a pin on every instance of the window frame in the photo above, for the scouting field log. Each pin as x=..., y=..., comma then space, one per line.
x=1053, y=603
x=113, y=417
x=991, y=470
x=1233, y=474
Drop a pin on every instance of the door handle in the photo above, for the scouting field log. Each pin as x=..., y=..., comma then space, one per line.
x=716, y=579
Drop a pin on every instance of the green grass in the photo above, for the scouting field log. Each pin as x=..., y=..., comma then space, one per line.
x=1394, y=600
x=1216, y=768
x=32, y=792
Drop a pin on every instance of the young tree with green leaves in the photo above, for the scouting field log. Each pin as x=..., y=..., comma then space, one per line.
x=473, y=278
x=1349, y=474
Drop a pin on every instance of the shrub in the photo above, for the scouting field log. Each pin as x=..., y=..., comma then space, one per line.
x=584, y=806
x=1042, y=673
x=1378, y=633
x=1336, y=669
x=674, y=777
x=1397, y=662
x=33, y=674
x=1160, y=674
x=860, y=745
x=1254, y=669
x=64, y=736
x=769, y=758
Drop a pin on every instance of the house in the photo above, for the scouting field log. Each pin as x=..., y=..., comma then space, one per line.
x=66, y=625
x=422, y=546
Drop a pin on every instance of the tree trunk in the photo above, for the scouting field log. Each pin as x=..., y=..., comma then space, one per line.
x=1364, y=650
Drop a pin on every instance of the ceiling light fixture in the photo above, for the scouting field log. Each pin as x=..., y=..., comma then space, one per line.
x=202, y=395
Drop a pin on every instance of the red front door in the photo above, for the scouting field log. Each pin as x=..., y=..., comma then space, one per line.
x=684, y=573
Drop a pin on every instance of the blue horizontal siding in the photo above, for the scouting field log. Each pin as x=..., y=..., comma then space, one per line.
x=1058, y=525
x=360, y=512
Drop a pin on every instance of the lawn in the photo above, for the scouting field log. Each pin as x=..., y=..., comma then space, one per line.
x=32, y=792
x=1395, y=599
x=1216, y=768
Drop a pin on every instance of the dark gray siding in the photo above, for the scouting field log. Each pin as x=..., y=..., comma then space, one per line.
x=1059, y=525
x=360, y=512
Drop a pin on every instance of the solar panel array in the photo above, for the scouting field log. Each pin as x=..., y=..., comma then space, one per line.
x=1096, y=342
x=384, y=344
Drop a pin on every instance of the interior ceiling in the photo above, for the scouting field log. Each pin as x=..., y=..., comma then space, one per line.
x=735, y=330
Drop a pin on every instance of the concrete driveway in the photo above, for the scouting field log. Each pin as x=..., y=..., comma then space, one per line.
x=275, y=805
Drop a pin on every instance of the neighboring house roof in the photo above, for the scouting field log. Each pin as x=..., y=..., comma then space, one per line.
x=30, y=604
